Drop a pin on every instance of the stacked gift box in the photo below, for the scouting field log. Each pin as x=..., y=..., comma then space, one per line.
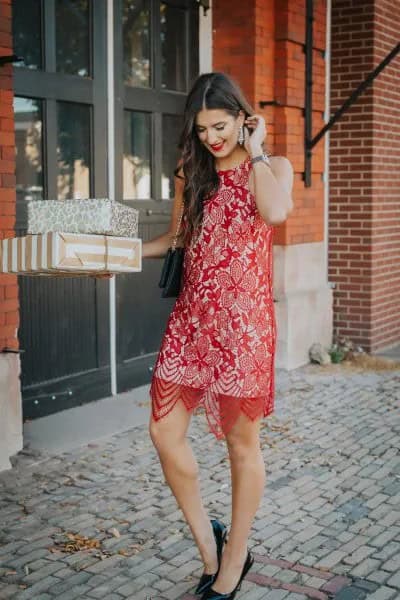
x=75, y=237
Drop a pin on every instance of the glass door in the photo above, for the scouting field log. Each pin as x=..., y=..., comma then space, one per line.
x=156, y=59
x=60, y=111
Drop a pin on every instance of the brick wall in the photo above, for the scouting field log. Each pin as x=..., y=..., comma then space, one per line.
x=9, y=313
x=364, y=223
x=385, y=314
x=267, y=37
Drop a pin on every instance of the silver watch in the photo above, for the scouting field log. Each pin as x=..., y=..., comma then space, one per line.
x=261, y=157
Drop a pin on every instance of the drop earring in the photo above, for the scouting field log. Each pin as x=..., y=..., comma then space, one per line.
x=241, y=136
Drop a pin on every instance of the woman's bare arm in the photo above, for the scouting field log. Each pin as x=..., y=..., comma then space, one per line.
x=272, y=188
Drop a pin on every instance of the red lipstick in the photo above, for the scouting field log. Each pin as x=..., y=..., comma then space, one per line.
x=217, y=147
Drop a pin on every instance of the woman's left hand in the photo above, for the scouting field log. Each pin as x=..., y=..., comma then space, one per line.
x=255, y=133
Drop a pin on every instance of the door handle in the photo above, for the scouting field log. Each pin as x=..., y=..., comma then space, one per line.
x=150, y=211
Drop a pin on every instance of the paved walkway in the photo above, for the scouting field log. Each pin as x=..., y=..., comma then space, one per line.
x=328, y=526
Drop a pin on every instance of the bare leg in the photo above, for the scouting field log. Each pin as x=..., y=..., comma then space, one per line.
x=248, y=482
x=181, y=472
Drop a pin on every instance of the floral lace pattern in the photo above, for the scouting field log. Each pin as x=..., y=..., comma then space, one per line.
x=219, y=345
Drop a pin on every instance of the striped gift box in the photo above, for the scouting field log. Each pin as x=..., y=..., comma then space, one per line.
x=70, y=253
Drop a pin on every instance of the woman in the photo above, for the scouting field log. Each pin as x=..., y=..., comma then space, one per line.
x=218, y=347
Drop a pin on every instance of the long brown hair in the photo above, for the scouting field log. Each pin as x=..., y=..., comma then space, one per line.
x=209, y=91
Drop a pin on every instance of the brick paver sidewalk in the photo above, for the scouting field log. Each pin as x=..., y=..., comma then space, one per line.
x=328, y=527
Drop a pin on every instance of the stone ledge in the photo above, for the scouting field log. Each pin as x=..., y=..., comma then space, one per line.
x=10, y=408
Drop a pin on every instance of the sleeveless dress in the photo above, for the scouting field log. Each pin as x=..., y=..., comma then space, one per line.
x=219, y=345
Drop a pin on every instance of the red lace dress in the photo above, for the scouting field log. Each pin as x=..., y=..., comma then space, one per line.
x=219, y=345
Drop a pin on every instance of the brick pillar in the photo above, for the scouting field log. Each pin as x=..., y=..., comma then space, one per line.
x=364, y=216
x=10, y=396
x=260, y=43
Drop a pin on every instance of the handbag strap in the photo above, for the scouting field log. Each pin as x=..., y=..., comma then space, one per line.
x=175, y=239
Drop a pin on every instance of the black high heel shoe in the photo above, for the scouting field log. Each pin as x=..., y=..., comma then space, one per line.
x=206, y=580
x=211, y=594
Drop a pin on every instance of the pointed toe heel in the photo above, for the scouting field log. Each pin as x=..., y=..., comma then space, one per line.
x=206, y=580
x=211, y=594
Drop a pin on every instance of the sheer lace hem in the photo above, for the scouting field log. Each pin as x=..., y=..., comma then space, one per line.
x=221, y=410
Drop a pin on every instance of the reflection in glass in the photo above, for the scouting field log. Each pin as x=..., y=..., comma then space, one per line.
x=136, y=40
x=73, y=37
x=193, y=51
x=136, y=161
x=28, y=142
x=173, y=54
x=73, y=150
x=27, y=29
x=171, y=128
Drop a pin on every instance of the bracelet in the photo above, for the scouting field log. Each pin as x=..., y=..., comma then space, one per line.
x=261, y=157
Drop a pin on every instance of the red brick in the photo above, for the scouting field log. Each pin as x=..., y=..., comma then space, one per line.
x=7, y=222
x=6, y=78
x=7, y=180
x=7, y=166
x=5, y=11
x=7, y=152
x=7, y=139
x=7, y=125
x=6, y=110
x=12, y=343
x=9, y=305
x=311, y=571
x=6, y=97
x=5, y=39
x=9, y=332
x=12, y=318
x=7, y=195
x=7, y=209
x=8, y=280
x=11, y=291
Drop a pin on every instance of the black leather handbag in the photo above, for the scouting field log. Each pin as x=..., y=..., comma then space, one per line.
x=171, y=273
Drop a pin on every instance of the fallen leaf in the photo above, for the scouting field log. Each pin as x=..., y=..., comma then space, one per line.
x=77, y=542
x=114, y=531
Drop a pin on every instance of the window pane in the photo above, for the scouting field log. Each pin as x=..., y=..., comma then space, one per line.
x=28, y=146
x=73, y=150
x=27, y=29
x=136, y=161
x=136, y=40
x=28, y=142
x=193, y=45
x=73, y=37
x=171, y=128
x=173, y=53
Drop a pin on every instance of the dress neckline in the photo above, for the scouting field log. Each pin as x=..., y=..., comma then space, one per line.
x=235, y=168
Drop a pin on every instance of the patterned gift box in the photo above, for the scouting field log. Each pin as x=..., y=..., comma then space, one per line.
x=58, y=253
x=94, y=215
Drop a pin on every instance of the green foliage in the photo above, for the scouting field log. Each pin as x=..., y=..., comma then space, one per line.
x=336, y=353
x=342, y=348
